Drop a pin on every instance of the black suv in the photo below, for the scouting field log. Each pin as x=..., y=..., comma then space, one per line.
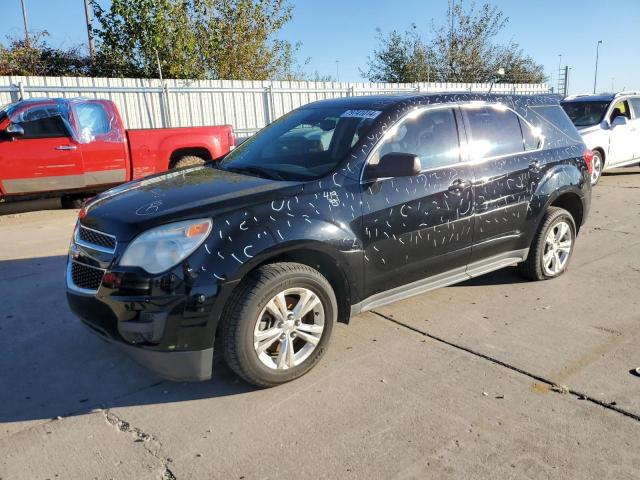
x=338, y=207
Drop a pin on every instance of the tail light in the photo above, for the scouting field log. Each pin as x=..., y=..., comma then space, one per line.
x=588, y=158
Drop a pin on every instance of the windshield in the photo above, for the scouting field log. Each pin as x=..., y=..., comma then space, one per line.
x=584, y=114
x=305, y=144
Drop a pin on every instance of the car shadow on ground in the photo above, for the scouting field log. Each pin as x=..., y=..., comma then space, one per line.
x=24, y=206
x=504, y=276
x=622, y=171
x=51, y=365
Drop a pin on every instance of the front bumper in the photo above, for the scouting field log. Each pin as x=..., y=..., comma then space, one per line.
x=166, y=322
x=170, y=364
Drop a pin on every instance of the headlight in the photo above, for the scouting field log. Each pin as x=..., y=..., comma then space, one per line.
x=161, y=248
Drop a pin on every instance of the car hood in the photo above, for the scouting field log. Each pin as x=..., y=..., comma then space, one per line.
x=195, y=192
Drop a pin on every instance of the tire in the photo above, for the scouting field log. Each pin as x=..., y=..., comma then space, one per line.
x=188, y=161
x=72, y=202
x=597, y=166
x=537, y=265
x=248, y=318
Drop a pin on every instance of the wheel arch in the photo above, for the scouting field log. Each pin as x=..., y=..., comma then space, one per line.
x=317, y=255
x=177, y=154
x=572, y=203
x=328, y=267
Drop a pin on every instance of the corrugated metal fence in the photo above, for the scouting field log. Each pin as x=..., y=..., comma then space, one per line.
x=247, y=105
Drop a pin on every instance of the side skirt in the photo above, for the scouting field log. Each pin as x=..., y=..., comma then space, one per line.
x=629, y=163
x=451, y=277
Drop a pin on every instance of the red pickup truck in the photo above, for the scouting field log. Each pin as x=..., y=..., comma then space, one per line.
x=75, y=147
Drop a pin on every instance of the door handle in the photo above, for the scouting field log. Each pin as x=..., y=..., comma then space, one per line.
x=66, y=147
x=458, y=185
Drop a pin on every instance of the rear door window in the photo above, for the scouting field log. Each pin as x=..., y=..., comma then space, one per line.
x=92, y=119
x=495, y=131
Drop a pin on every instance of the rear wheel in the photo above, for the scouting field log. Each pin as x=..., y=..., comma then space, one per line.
x=597, y=164
x=278, y=323
x=189, y=161
x=552, y=246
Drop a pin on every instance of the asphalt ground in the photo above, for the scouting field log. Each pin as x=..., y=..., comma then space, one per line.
x=492, y=378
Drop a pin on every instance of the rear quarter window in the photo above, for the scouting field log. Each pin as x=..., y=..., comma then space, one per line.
x=554, y=117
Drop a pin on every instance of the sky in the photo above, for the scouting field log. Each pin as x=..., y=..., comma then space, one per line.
x=345, y=31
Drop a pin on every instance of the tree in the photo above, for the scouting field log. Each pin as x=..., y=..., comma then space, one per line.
x=462, y=49
x=404, y=57
x=199, y=39
x=38, y=58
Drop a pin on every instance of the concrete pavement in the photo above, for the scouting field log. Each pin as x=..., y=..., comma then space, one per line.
x=456, y=383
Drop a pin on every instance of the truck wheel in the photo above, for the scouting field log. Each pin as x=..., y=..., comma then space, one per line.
x=188, y=161
x=72, y=201
x=277, y=323
x=552, y=246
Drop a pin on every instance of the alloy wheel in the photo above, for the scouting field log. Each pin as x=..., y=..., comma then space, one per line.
x=289, y=328
x=596, y=168
x=558, y=244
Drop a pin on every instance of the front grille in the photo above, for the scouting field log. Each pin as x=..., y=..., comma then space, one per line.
x=86, y=277
x=94, y=237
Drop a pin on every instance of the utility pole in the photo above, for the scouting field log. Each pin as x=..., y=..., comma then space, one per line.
x=26, y=23
x=338, y=70
x=451, y=40
x=87, y=13
x=595, y=78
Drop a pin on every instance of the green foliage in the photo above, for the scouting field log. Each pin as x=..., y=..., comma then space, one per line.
x=404, y=57
x=39, y=59
x=466, y=53
x=198, y=39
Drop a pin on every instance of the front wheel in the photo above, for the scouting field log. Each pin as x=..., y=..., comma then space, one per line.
x=72, y=202
x=278, y=322
x=552, y=246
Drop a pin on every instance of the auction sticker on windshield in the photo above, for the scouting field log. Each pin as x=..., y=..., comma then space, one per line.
x=360, y=114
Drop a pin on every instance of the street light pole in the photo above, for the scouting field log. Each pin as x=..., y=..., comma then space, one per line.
x=595, y=78
x=26, y=24
x=87, y=13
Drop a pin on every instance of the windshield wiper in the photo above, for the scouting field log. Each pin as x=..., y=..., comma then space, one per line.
x=259, y=171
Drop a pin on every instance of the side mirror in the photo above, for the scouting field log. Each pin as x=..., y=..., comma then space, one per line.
x=620, y=120
x=394, y=164
x=14, y=130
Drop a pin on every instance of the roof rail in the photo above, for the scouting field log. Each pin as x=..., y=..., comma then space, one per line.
x=577, y=95
x=629, y=92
